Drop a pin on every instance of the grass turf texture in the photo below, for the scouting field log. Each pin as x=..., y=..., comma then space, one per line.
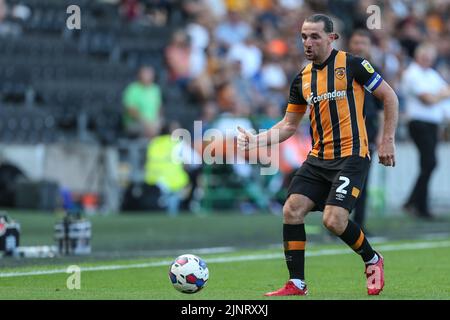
x=130, y=233
x=131, y=239
x=410, y=274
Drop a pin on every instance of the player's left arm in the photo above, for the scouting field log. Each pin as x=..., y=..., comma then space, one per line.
x=386, y=150
x=366, y=75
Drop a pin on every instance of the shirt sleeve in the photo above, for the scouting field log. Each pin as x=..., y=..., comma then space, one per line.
x=411, y=84
x=297, y=102
x=129, y=97
x=365, y=74
x=441, y=83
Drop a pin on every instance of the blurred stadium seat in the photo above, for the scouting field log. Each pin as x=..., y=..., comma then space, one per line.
x=59, y=75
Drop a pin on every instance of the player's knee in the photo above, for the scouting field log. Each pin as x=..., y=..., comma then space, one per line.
x=332, y=221
x=294, y=212
x=329, y=221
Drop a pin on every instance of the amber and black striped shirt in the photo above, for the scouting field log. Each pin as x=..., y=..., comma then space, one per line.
x=334, y=93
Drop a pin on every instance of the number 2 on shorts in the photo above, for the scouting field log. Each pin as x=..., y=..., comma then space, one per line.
x=341, y=188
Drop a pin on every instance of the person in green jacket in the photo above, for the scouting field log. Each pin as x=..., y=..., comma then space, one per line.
x=142, y=100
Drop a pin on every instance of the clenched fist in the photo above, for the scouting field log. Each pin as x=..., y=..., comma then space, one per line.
x=386, y=153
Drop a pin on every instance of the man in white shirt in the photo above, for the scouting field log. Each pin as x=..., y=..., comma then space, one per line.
x=424, y=89
x=249, y=55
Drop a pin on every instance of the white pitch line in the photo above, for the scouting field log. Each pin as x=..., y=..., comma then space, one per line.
x=324, y=252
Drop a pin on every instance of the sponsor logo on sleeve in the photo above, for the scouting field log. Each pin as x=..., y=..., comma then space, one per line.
x=366, y=64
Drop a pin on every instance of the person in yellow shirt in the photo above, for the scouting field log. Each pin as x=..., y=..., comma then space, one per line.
x=165, y=167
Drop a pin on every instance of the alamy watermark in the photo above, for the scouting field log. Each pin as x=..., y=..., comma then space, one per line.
x=74, y=20
x=374, y=20
x=220, y=147
x=74, y=280
x=374, y=280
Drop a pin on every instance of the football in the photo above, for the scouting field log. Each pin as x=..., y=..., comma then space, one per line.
x=188, y=273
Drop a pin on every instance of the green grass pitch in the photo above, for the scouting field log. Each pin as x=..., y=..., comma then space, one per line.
x=412, y=273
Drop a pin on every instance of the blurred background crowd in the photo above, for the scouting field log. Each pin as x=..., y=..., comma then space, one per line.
x=138, y=69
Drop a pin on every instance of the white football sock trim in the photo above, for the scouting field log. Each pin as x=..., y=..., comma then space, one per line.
x=298, y=283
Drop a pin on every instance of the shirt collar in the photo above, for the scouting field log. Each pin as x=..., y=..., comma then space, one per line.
x=322, y=65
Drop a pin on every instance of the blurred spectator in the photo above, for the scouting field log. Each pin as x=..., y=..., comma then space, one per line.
x=273, y=76
x=191, y=8
x=159, y=11
x=148, y=13
x=246, y=92
x=270, y=117
x=410, y=34
x=202, y=87
x=209, y=114
x=172, y=166
x=291, y=4
x=231, y=31
x=142, y=100
x=178, y=58
x=216, y=7
x=198, y=33
x=249, y=56
x=385, y=55
x=232, y=113
x=20, y=11
x=235, y=114
x=277, y=48
x=131, y=10
x=293, y=152
x=360, y=44
x=8, y=27
x=272, y=82
x=424, y=89
x=199, y=41
x=237, y=5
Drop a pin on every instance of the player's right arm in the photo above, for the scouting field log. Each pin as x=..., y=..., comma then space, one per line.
x=277, y=134
x=282, y=130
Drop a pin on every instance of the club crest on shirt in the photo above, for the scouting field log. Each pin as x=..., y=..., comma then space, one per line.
x=340, y=73
x=366, y=64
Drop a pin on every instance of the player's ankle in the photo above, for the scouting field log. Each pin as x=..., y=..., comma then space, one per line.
x=373, y=260
x=301, y=284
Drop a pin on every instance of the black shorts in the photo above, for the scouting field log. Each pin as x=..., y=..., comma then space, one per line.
x=331, y=182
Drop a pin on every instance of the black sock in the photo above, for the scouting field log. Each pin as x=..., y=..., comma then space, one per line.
x=355, y=239
x=294, y=238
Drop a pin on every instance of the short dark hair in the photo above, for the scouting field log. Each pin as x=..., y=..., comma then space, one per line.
x=328, y=25
x=327, y=22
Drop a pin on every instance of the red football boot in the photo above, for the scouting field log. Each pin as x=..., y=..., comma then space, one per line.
x=375, y=276
x=289, y=289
